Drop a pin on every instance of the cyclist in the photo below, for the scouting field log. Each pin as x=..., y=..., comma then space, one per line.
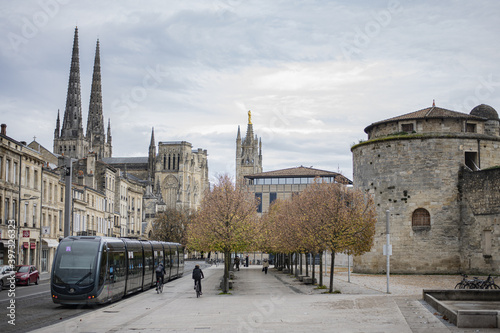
x=160, y=272
x=197, y=276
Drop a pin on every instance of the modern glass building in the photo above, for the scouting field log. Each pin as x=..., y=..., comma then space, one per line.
x=282, y=184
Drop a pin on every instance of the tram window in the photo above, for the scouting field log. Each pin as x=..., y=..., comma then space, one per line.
x=76, y=262
x=118, y=264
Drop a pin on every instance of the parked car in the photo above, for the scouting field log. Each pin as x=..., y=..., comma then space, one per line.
x=5, y=272
x=26, y=274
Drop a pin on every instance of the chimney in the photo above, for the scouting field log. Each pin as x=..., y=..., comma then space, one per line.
x=4, y=129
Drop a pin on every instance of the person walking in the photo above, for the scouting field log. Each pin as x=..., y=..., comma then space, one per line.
x=237, y=262
x=265, y=265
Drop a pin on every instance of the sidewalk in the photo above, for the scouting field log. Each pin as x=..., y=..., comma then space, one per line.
x=275, y=302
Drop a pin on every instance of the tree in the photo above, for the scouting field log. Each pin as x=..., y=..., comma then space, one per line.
x=170, y=226
x=347, y=219
x=225, y=222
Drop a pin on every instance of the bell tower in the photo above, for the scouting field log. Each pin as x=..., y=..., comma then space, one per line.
x=248, y=153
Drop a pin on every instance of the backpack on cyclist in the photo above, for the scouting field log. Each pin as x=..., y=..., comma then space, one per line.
x=197, y=274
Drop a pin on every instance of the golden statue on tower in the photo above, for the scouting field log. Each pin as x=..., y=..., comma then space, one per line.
x=249, y=117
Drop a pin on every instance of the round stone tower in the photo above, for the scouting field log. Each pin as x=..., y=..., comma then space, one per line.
x=411, y=164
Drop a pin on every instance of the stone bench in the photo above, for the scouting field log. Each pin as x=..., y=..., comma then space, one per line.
x=309, y=280
x=230, y=284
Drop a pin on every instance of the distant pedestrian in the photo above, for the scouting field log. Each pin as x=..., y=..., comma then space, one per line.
x=246, y=261
x=265, y=266
x=237, y=262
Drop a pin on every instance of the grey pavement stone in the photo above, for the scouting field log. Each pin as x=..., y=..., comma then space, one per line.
x=275, y=302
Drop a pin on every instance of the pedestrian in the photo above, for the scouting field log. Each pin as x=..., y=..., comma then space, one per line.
x=237, y=262
x=265, y=266
x=246, y=261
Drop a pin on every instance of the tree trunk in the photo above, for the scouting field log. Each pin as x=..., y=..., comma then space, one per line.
x=331, y=272
x=300, y=264
x=313, y=266
x=227, y=265
x=296, y=264
x=307, y=266
x=321, y=269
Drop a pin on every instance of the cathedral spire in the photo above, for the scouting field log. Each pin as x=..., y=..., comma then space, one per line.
x=72, y=121
x=57, y=131
x=152, y=156
x=95, y=121
x=109, y=131
x=152, y=143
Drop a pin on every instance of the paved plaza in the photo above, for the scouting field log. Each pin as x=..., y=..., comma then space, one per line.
x=275, y=302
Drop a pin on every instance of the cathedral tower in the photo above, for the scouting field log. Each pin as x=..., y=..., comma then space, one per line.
x=248, y=153
x=95, y=121
x=71, y=141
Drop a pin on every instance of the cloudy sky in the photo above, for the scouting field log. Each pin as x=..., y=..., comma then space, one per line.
x=313, y=73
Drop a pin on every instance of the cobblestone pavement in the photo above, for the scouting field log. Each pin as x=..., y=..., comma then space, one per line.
x=406, y=290
x=402, y=284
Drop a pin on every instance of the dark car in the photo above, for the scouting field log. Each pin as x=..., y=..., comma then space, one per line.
x=26, y=274
x=5, y=272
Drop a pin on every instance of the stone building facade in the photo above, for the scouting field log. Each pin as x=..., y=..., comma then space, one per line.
x=417, y=166
x=20, y=200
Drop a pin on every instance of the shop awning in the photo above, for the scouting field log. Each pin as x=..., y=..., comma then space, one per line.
x=4, y=243
x=51, y=242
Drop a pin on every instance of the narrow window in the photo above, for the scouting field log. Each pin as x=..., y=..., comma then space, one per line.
x=34, y=215
x=6, y=211
x=7, y=167
x=272, y=197
x=421, y=218
x=470, y=128
x=408, y=128
x=27, y=183
x=15, y=173
x=258, y=196
x=25, y=214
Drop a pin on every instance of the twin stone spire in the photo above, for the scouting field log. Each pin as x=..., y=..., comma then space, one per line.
x=70, y=139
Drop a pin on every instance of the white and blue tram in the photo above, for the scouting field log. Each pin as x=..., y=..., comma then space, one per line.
x=93, y=270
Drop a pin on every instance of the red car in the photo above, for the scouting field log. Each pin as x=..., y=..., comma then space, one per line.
x=26, y=274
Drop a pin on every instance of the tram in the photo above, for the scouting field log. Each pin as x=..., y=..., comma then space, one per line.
x=96, y=270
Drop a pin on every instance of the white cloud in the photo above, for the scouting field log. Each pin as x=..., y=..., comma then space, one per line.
x=284, y=60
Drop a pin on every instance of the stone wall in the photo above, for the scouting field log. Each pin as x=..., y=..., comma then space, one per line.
x=480, y=226
x=404, y=174
x=445, y=125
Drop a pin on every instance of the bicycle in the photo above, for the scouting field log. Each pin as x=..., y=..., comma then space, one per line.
x=198, y=288
x=159, y=286
x=462, y=284
x=489, y=283
x=467, y=284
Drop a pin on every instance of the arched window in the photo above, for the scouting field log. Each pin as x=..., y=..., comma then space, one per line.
x=421, y=218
